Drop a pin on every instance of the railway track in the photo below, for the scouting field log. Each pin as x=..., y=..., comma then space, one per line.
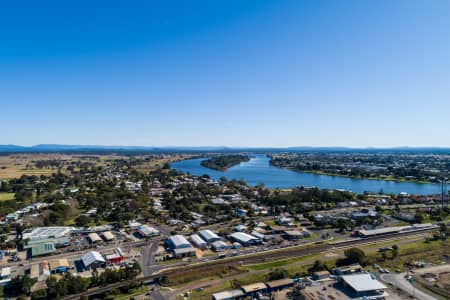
x=278, y=254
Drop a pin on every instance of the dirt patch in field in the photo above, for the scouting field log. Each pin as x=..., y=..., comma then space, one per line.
x=444, y=280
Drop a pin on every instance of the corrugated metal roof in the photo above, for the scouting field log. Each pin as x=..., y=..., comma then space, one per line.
x=243, y=237
x=94, y=237
x=179, y=241
x=59, y=263
x=196, y=239
x=208, y=235
x=91, y=257
x=253, y=287
x=108, y=235
x=363, y=282
x=228, y=294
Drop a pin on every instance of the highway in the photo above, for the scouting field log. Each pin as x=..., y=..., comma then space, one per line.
x=158, y=271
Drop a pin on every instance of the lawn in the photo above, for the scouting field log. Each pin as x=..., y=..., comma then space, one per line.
x=132, y=293
x=419, y=251
x=6, y=196
x=281, y=263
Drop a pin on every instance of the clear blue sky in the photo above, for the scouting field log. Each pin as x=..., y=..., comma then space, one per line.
x=235, y=73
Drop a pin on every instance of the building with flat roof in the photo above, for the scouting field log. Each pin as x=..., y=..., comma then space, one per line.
x=348, y=270
x=228, y=295
x=5, y=273
x=147, y=231
x=250, y=289
x=364, y=285
x=40, y=233
x=40, y=247
x=209, y=236
x=320, y=275
x=277, y=285
x=114, y=258
x=245, y=238
x=60, y=265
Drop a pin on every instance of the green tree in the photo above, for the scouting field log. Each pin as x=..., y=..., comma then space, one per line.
x=278, y=273
x=82, y=221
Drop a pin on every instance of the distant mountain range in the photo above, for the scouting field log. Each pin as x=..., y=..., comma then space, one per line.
x=42, y=148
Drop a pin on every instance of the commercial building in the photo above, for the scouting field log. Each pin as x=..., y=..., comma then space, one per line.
x=277, y=285
x=5, y=276
x=209, y=236
x=198, y=241
x=41, y=247
x=347, y=270
x=40, y=233
x=92, y=259
x=108, y=236
x=180, y=246
x=364, y=286
x=219, y=246
x=251, y=289
x=59, y=265
x=293, y=235
x=94, y=238
x=245, y=238
x=178, y=242
x=184, y=252
x=147, y=231
x=114, y=258
x=320, y=275
x=229, y=295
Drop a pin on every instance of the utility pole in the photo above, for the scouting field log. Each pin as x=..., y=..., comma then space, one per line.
x=444, y=191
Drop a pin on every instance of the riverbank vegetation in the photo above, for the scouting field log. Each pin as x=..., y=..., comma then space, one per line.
x=224, y=162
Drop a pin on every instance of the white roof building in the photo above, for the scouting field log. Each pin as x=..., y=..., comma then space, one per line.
x=92, y=257
x=244, y=238
x=40, y=233
x=147, y=231
x=363, y=283
x=198, y=241
x=178, y=241
x=226, y=295
x=209, y=236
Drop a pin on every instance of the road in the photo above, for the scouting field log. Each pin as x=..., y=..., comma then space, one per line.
x=148, y=257
x=159, y=270
x=399, y=281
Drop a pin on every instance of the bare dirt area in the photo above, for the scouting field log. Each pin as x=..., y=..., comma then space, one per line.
x=443, y=280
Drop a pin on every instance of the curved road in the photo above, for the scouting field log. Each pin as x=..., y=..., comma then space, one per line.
x=399, y=281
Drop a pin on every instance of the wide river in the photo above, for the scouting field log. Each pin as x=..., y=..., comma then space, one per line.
x=258, y=170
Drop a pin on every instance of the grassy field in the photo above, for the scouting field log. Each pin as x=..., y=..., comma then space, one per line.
x=16, y=165
x=6, y=196
x=431, y=252
x=133, y=293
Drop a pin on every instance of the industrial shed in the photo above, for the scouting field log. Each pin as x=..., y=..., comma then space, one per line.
x=92, y=259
